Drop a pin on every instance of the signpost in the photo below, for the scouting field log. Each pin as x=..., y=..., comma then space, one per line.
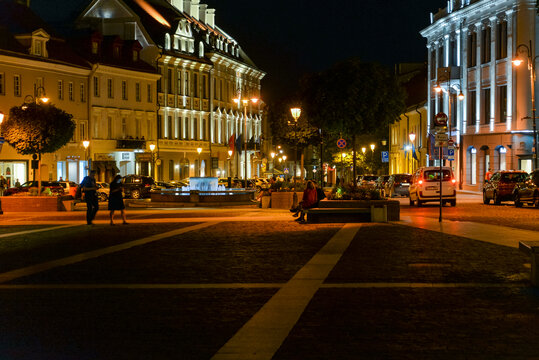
x=441, y=139
x=385, y=156
x=341, y=143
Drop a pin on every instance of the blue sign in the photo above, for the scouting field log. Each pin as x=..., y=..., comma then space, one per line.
x=341, y=143
x=450, y=154
x=286, y=170
x=385, y=156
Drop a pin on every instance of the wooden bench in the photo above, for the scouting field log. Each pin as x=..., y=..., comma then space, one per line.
x=349, y=214
x=531, y=248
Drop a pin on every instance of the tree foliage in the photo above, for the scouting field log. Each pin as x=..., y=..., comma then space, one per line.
x=38, y=129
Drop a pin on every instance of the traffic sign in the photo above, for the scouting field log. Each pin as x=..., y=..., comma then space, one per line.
x=450, y=154
x=385, y=156
x=440, y=119
x=441, y=137
x=451, y=142
x=341, y=143
x=286, y=170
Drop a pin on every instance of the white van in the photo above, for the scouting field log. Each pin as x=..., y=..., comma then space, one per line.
x=426, y=186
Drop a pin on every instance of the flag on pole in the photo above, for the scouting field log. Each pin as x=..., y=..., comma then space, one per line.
x=231, y=142
x=238, y=144
x=413, y=153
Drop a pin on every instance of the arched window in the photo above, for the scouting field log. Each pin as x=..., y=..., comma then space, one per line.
x=184, y=169
x=472, y=165
x=201, y=49
x=167, y=42
x=500, y=152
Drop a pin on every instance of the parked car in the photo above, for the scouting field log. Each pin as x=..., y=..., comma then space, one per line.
x=381, y=183
x=54, y=186
x=260, y=183
x=137, y=186
x=527, y=191
x=501, y=185
x=398, y=185
x=164, y=185
x=368, y=180
x=70, y=187
x=103, y=190
x=425, y=186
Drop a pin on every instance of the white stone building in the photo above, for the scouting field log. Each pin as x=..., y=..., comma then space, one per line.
x=471, y=44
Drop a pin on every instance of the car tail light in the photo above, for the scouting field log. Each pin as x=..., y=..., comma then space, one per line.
x=420, y=182
x=147, y=185
x=454, y=181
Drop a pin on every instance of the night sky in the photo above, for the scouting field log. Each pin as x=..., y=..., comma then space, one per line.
x=287, y=38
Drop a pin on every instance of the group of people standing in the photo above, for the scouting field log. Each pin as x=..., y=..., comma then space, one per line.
x=116, y=202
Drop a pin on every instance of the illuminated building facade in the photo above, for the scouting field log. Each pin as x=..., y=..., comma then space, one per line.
x=202, y=70
x=470, y=47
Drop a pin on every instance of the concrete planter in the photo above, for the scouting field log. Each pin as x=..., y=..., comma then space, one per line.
x=265, y=202
x=36, y=203
x=284, y=199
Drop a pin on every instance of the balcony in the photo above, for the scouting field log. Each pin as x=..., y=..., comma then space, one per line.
x=132, y=144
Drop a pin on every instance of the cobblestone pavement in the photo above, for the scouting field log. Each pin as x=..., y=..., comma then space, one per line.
x=183, y=284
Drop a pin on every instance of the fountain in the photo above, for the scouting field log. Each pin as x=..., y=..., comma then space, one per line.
x=203, y=190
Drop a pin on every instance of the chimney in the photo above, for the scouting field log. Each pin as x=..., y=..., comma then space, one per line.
x=178, y=4
x=202, y=12
x=187, y=6
x=210, y=18
x=195, y=4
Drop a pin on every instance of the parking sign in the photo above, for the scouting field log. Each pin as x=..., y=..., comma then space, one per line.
x=385, y=156
x=450, y=154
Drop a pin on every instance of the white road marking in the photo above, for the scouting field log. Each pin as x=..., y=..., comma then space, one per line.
x=36, y=230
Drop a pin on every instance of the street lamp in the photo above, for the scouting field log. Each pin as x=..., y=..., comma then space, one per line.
x=531, y=67
x=199, y=150
x=86, y=144
x=411, y=136
x=296, y=113
x=230, y=152
x=245, y=102
x=372, y=156
x=272, y=164
x=152, y=148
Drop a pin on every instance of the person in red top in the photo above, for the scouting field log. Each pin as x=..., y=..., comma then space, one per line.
x=309, y=201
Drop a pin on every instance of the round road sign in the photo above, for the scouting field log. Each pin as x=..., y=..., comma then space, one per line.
x=341, y=143
x=440, y=119
x=451, y=142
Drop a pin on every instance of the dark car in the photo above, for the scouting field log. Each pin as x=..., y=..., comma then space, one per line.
x=398, y=185
x=501, y=185
x=368, y=180
x=527, y=191
x=137, y=186
x=54, y=186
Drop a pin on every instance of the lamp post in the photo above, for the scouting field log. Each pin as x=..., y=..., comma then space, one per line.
x=86, y=144
x=245, y=102
x=199, y=150
x=230, y=152
x=411, y=136
x=152, y=148
x=372, y=156
x=296, y=113
x=272, y=164
x=531, y=67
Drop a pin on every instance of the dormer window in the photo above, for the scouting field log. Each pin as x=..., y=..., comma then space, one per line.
x=135, y=56
x=95, y=47
x=116, y=52
x=38, y=42
x=38, y=47
x=167, y=42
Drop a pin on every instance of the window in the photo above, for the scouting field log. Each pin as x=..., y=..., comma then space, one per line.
x=124, y=90
x=124, y=127
x=485, y=45
x=472, y=116
x=96, y=126
x=179, y=81
x=204, y=86
x=70, y=92
x=38, y=47
x=17, y=85
x=171, y=170
x=96, y=86
x=472, y=49
x=83, y=130
x=149, y=129
x=486, y=106
x=116, y=52
x=137, y=92
x=149, y=90
x=167, y=42
x=501, y=152
x=195, y=129
x=160, y=81
x=110, y=127
x=110, y=89
x=453, y=53
x=195, y=85
x=441, y=60
x=501, y=43
x=502, y=90
x=159, y=126
x=60, y=90
x=135, y=56
x=473, y=166
x=170, y=79
x=82, y=93
x=186, y=88
x=186, y=128
x=95, y=47
x=169, y=127
x=432, y=65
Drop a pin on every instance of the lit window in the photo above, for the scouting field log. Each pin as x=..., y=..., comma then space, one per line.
x=95, y=47
x=70, y=91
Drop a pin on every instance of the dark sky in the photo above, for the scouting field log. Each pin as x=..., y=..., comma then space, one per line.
x=287, y=38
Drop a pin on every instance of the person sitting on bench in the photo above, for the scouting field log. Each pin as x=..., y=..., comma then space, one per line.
x=309, y=201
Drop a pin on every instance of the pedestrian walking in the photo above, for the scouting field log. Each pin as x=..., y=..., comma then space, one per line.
x=89, y=187
x=116, y=201
x=3, y=184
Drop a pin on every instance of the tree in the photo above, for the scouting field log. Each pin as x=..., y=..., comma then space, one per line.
x=38, y=129
x=353, y=99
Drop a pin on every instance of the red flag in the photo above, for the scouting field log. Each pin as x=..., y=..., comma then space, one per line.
x=231, y=142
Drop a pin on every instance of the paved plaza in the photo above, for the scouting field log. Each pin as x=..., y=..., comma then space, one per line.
x=249, y=283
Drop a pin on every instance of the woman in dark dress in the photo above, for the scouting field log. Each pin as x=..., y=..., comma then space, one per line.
x=116, y=201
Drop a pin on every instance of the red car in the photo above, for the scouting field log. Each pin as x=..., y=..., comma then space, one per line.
x=501, y=185
x=55, y=187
